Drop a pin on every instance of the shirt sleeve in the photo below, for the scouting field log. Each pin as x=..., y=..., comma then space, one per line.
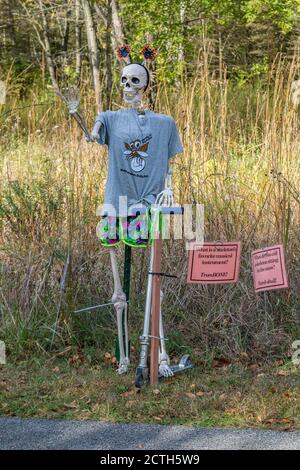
x=104, y=118
x=175, y=145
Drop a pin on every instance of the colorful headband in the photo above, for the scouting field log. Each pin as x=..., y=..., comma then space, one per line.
x=148, y=53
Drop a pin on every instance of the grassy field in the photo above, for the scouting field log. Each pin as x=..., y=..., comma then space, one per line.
x=69, y=387
x=241, y=160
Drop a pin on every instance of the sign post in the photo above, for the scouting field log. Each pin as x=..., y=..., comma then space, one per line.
x=155, y=312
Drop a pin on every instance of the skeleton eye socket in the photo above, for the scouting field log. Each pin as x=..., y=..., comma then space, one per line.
x=135, y=80
x=137, y=143
x=123, y=79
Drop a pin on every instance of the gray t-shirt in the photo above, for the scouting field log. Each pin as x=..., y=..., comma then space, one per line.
x=139, y=147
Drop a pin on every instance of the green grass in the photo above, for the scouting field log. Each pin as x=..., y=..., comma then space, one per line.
x=233, y=395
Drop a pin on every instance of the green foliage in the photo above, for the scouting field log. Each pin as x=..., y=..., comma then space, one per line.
x=174, y=27
x=159, y=23
x=224, y=12
x=282, y=13
x=28, y=210
x=256, y=71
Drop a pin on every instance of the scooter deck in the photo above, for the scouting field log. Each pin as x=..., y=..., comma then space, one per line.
x=183, y=365
x=177, y=368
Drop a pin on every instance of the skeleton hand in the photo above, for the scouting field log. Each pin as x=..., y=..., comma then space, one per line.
x=165, y=197
x=94, y=135
x=91, y=137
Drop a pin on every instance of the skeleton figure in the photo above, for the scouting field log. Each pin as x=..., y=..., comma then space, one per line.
x=134, y=81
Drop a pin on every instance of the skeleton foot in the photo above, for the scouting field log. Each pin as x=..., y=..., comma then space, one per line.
x=123, y=366
x=165, y=371
x=164, y=365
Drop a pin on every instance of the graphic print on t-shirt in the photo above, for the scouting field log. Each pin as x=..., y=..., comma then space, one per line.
x=136, y=152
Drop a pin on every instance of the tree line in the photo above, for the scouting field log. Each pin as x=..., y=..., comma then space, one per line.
x=63, y=41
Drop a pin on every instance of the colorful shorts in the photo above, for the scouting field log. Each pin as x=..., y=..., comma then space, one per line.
x=133, y=230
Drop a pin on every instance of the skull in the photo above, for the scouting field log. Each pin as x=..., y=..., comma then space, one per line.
x=134, y=80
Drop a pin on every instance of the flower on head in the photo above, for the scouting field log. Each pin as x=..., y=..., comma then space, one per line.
x=148, y=52
x=123, y=51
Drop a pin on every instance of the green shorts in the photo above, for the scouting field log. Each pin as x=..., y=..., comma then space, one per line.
x=133, y=230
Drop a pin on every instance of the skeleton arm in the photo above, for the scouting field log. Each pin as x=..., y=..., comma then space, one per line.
x=94, y=135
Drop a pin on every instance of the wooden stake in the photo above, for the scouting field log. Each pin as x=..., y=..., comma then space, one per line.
x=155, y=312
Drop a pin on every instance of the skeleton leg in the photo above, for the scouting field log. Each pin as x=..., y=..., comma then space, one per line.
x=120, y=305
x=164, y=360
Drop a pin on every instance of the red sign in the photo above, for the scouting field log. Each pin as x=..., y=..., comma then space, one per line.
x=268, y=268
x=214, y=263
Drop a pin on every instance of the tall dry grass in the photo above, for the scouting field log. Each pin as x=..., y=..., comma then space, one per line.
x=241, y=160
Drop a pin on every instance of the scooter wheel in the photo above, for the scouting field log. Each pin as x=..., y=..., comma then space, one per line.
x=185, y=361
x=140, y=377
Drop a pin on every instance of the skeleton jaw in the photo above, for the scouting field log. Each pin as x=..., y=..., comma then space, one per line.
x=132, y=98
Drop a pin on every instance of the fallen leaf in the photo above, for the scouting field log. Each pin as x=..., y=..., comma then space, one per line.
x=287, y=420
x=267, y=421
x=283, y=373
x=231, y=411
x=129, y=403
x=75, y=358
x=190, y=395
x=200, y=394
x=70, y=405
x=244, y=354
x=279, y=362
x=219, y=363
x=55, y=369
x=4, y=386
x=156, y=391
x=128, y=393
x=157, y=418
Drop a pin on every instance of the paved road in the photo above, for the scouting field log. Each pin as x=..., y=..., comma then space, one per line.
x=18, y=433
